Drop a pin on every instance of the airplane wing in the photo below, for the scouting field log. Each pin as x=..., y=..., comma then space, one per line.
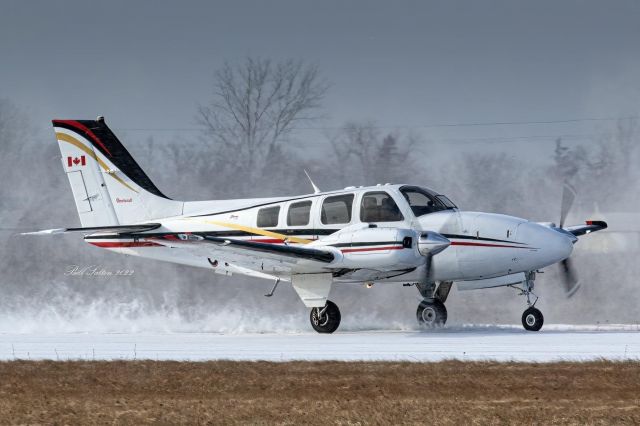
x=281, y=260
x=118, y=229
x=588, y=227
x=284, y=253
x=234, y=255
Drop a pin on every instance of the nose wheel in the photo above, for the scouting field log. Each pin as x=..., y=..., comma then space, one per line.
x=532, y=319
x=431, y=313
x=325, y=319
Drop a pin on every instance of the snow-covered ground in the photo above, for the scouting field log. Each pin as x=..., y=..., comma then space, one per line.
x=506, y=343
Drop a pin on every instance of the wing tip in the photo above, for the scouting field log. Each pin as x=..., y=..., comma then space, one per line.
x=46, y=232
x=600, y=223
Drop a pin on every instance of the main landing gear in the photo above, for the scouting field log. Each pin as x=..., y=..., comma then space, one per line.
x=326, y=319
x=532, y=319
x=431, y=312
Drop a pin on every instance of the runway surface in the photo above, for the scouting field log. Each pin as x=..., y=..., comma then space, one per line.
x=504, y=343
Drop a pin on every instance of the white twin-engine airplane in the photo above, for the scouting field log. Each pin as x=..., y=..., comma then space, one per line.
x=396, y=234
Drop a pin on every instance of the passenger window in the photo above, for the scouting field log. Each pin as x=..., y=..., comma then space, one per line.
x=268, y=217
x=298, y=214
x=379, y=207
x=337, y=209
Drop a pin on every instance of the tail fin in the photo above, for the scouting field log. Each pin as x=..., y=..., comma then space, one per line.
x=108, y=186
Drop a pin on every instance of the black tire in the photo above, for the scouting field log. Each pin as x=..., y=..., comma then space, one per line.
x=431, y=314
x=532, y=319
x=329, y=321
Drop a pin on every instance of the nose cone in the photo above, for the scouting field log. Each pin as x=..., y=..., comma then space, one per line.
x=552, y=245
x=431, y=243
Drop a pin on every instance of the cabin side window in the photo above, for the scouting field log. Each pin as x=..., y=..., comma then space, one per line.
x=379, y=207
x=336, y=209
x=298, y=214
x=268, y=217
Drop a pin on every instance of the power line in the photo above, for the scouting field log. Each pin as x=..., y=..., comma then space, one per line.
x=494, y=139
x=421, y=126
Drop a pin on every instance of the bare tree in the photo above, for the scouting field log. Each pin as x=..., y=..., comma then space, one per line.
x=255, y=108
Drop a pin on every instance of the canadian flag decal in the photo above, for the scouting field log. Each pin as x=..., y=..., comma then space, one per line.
x=76, y=161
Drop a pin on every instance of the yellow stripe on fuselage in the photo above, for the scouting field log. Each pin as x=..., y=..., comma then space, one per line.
x=75, y=142
x=258, y=231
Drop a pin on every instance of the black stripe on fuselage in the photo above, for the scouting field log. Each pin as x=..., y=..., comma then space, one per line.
x=365, y=243
x=471, y=237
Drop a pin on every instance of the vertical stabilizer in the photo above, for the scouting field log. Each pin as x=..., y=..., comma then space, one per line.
x=109, y=187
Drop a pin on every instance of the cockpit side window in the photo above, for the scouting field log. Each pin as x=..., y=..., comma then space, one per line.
x=379, y=207
x=423, y=202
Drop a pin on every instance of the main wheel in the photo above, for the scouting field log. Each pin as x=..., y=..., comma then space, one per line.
x=327, y=319
x=431, y=314
x=532, y=319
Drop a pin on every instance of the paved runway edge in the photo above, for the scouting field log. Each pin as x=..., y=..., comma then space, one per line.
x=476, y=343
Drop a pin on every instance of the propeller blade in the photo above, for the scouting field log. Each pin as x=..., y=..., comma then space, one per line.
x=569, y=278
x=568, y=195
x=428, y=269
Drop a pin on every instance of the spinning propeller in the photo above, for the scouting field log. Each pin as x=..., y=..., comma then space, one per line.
x=569, y=277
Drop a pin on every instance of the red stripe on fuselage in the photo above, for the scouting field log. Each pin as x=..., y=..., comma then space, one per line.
x=115, y=244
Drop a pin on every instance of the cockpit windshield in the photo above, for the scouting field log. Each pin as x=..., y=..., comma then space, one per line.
x=423, y=201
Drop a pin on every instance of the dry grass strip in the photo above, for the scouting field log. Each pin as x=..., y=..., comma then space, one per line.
x=226, y=392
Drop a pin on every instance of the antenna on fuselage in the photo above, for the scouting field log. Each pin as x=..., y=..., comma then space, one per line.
x=316, y=190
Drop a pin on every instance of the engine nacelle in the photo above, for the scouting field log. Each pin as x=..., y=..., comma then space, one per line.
x=378, y=248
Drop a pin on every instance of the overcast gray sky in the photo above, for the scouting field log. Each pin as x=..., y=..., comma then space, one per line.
x=149, y=64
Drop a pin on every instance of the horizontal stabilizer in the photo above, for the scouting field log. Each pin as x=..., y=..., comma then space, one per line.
x=116, y=229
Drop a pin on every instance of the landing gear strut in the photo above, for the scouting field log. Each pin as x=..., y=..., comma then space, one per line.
x=325, y=319
x=532, y=319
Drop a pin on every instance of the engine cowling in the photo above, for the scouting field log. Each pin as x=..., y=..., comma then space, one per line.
x=376, y=248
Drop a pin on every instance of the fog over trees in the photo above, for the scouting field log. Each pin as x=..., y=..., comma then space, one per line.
x=248, y=144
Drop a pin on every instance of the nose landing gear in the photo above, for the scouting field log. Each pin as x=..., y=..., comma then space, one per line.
x=532, y=318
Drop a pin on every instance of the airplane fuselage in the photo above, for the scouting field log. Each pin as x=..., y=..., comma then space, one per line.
x=483, y=245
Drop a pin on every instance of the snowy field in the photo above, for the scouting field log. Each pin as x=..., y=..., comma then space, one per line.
x=501, y=343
